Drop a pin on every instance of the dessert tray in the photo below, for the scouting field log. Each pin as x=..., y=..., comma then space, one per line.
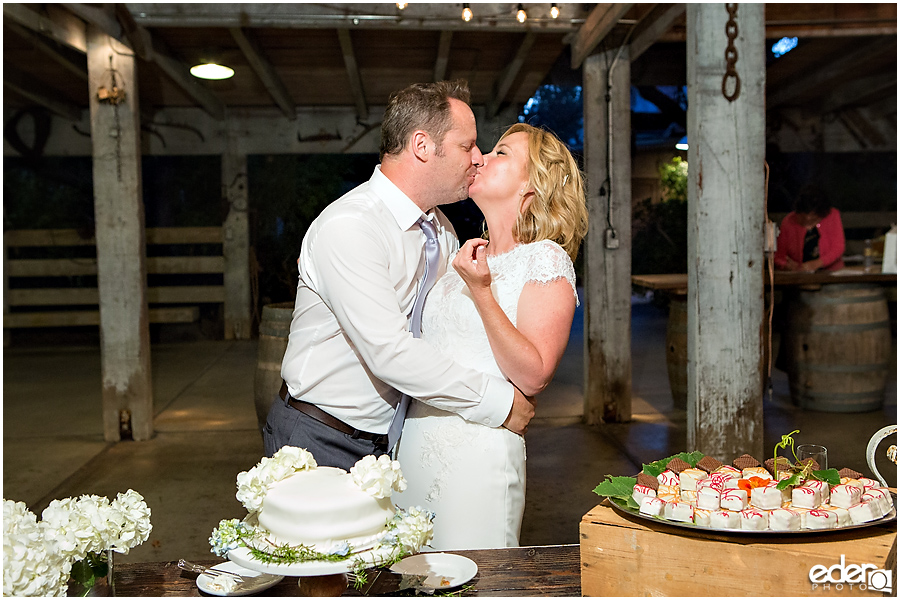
x=619, y=507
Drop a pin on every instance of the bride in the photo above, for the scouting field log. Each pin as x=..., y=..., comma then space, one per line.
x=505, y=308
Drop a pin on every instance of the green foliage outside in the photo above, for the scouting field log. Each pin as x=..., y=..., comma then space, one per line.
x=659, y=230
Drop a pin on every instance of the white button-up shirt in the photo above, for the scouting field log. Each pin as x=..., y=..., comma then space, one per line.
x=350, y=349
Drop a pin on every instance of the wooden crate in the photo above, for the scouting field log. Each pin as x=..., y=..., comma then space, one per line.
x=632, y=557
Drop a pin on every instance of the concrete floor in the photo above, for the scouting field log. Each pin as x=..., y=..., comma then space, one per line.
x=206, y=434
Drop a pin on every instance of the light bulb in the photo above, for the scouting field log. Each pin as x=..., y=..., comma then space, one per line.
x=402, y=5
x=554, y=11
x=211, y=71
x=466, y=13
x=521, y=15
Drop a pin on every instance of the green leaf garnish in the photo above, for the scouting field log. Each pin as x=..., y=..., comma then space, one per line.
x=656, y=467
x=794, y=479
x=619, y=489
x=830, y=476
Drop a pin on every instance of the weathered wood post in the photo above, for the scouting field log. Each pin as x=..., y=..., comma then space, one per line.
x=236, y=239
x=725, y=228
x=121, y=248
x=607, y=310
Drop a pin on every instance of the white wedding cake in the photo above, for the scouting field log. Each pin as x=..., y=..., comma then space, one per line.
x=323, y=507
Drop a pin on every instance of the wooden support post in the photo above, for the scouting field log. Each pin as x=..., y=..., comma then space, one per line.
x=119, y=215
x=236, y=240
x=726, y=189
x=607, y=314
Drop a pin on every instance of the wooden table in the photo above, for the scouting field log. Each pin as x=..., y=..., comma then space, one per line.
x=629, y=556
x=528, y=571
x=676, y=283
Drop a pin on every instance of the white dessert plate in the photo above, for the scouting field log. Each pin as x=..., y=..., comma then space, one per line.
x=632, y=512
x=250, y=585
x=442, y=570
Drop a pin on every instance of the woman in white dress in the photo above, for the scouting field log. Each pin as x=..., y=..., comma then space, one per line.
x=505, y=308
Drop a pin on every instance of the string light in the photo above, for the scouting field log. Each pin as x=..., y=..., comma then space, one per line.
x=521, y=15
x=402, y=5
x=554, y=10
x=466, y=13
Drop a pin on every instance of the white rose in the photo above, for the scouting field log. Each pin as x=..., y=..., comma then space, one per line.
x=378, y=477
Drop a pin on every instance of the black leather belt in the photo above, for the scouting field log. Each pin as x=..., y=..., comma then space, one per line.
x=311, y=410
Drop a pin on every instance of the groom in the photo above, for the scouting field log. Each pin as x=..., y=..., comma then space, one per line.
x=351, y=353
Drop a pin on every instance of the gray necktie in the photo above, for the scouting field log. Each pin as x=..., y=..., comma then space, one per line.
x=432, y=255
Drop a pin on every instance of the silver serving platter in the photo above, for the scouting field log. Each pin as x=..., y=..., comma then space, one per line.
x=632, y=512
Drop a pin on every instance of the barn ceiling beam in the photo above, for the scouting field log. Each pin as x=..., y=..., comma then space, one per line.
x=443, y=55
x=28, y=87
x=840, y=67
x=119, y=25
x=509, y=74
x=53, y=51
x=55, y=23
x=356, y=88
x=265, y=71
x=599, y=23
x=493, y=16
x=653, y=26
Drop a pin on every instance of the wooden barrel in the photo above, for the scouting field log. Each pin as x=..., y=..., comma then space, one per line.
x=838, y=341
x=676, y=351
x=273, y=337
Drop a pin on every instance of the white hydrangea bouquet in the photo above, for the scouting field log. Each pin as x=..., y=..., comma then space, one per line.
x=404, y=534
x=74, y=539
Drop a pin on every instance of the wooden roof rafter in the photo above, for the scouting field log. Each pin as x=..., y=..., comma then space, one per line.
x=248, y=44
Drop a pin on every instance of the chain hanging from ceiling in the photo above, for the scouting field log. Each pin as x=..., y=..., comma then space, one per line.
x=731, y=54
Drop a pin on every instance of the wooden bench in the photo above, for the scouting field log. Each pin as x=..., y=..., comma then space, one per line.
x=34, y=256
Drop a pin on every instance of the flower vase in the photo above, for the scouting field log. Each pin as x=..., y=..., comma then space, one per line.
x=102, y=586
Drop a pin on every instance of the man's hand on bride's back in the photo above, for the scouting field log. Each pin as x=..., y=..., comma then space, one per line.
x=521, y=413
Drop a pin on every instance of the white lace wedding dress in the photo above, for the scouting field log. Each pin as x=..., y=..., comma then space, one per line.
x=472, y=476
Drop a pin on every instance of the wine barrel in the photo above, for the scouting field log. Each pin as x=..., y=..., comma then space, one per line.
x=676, y=351
x=273, y=337
x=839, y=343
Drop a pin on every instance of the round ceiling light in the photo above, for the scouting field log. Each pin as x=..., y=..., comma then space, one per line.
x=211, y=71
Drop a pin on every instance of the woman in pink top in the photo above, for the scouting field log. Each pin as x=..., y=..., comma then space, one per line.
x=812, y=236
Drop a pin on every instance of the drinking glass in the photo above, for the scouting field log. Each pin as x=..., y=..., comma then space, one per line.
x=815, y=452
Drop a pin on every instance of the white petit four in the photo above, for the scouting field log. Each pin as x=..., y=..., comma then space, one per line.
x=854, y=482
x=843, y=515
x=766, y=497
x=689, y=496
x=761, y=472
x=820, y=519
x=733, y=500
x=701, y=517
x=679, y=511
x=845, y=495
x=864, y=512
x=804, y=497
x=782, y=519
x=754, y=519
x=821, y=487
x=728, y=469
x=725, y=519
x=668, y=493
x=875, y=499
x=708, y=498
x=642, y=491
x=667, y=477
x=652, y=506
x=868, y=484
x=688, y=479
x=882, y=496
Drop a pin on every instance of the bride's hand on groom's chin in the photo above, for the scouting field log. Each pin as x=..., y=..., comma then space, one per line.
x=521, y=413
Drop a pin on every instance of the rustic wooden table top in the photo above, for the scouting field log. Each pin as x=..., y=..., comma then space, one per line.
x=677, y=282
x=527, y=571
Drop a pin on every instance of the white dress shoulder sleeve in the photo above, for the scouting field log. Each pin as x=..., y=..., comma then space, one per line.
x=548, y=262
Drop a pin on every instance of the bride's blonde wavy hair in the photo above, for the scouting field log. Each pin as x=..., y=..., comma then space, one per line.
x=558, y=211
